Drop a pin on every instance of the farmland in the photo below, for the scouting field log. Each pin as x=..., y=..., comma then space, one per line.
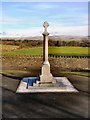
x=38, y=51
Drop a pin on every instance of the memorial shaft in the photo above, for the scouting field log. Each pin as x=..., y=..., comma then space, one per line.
x=45, y=49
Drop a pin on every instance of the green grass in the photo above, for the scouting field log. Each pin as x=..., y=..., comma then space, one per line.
x=13, y=72
x=85, y=74
x=25, y=51
x=67, y=51
x=72, y=51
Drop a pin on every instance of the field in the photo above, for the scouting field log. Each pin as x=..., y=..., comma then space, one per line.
x=12, y=50
x=8, y=47
x=56, y=51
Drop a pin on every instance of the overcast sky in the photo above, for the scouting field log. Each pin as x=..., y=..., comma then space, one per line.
x=26, y=18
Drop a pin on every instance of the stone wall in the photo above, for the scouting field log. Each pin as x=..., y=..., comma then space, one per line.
x=59, y=63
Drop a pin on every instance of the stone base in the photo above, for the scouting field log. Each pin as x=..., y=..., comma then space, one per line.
x=45, y=84
x=61, y=85
x=46, y=76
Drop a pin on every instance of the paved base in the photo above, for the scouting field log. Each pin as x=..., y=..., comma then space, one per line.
x=62, y=85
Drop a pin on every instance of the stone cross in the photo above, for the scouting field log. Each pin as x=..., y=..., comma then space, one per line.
x=45, y=43
x=45, y=25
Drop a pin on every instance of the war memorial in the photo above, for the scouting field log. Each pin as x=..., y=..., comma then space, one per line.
x=46, y=82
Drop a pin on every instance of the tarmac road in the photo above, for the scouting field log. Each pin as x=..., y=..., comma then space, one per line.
x=45, y=105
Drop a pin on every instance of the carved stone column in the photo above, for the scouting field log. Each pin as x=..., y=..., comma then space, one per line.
x=46, y=76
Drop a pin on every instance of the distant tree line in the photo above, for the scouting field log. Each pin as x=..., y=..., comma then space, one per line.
x=37, y=43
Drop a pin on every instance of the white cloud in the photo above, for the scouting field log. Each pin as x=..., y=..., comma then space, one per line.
x=72, y=30
x=58, y=30
x=24, y=32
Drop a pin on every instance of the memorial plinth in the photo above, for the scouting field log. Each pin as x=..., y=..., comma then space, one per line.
x=45, y=82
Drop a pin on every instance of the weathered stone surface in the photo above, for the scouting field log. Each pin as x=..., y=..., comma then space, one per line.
x=45, y=70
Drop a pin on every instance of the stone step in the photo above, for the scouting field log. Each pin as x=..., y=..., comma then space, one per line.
x=36, y=84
